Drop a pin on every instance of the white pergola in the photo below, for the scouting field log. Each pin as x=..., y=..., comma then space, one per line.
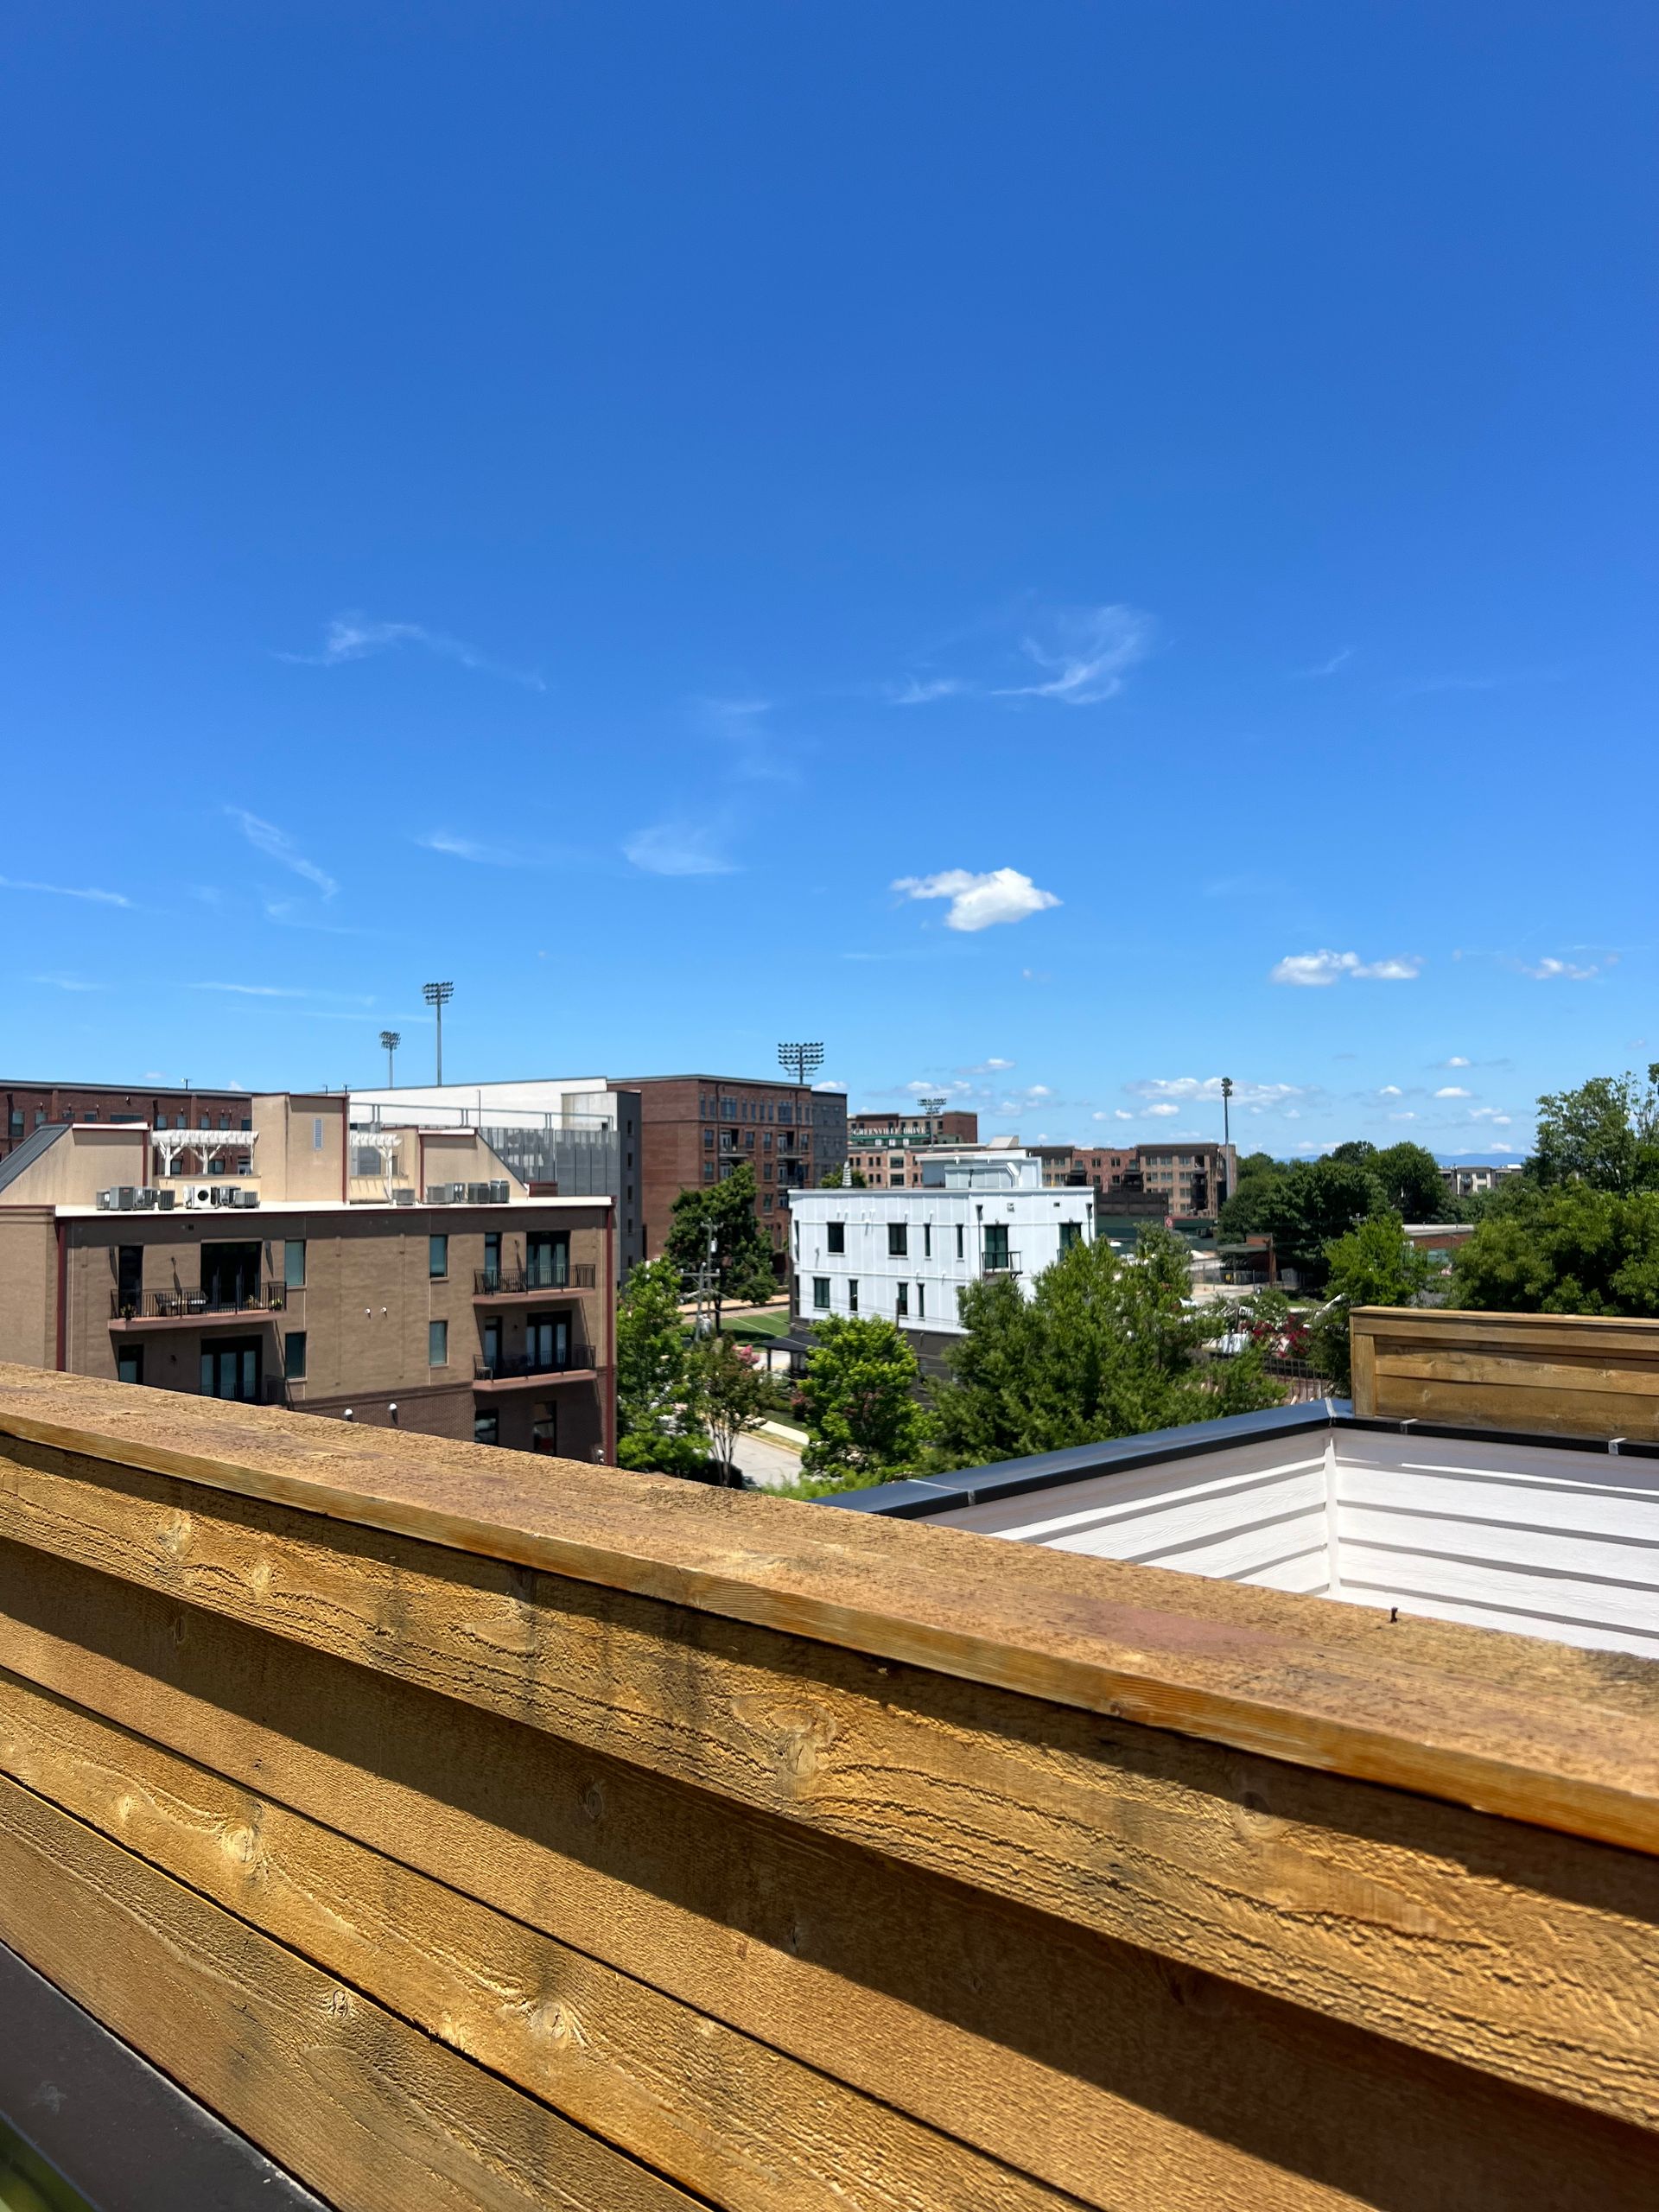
x=173, y=1144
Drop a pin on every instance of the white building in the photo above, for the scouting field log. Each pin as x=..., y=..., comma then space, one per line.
x=905, y=1255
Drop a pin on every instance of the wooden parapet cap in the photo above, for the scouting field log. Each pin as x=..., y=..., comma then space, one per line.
x=1538, y=1733
x=1532, y=1374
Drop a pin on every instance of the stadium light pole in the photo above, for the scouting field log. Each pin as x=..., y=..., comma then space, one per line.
x=1226, y=1117
x=801, y=1061
x=437, y=996
x=390, y=1040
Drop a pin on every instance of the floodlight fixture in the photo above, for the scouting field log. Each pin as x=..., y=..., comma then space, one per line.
x=437, y=996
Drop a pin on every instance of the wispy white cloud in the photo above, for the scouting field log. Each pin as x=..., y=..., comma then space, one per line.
x=467, y=849
x=1457, y=1061
x=276, y=845
x=65, y=890
x=979, y=902
x=1490, y=1114
x=756, y=753
x=989, y=1067
x=67, y=983
x=678, y=849
x=922, y=690
x=1339, y=660
x=1453, y=1091
x=1163, y=1109
x=1551, y=970
x=1390, y=1090
x=1088, y=652
x=354, y=637
x=1315, y=970
x=1118, y=1114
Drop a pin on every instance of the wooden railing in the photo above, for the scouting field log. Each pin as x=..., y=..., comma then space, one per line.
x=477, y=1830
x=1551, y=1374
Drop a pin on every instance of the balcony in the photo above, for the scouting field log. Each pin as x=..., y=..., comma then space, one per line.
x=196, y=1305
x=534, y=1282
x=999, y=1263
x=578, y=1364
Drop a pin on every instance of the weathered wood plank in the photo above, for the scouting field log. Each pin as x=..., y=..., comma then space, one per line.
x=357, y=2104
x=1262, y=1671
x=1094, y=2064
x=1451, y=1364
x=743, y=2124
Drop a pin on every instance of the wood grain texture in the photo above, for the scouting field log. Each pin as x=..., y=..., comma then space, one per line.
x=1562, y=1374
x=1279, y=1673
x=355, y=2103
x=1093, y=2063
x=747, y=2127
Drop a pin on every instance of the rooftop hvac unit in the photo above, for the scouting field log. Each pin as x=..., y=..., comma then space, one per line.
x=499, y=1192
x=200, y=1194
x=478, y=1194
x=106, y=1201
x=402, y=1195
x=167, y=1200
x=437, y=1194
x=249, y=1197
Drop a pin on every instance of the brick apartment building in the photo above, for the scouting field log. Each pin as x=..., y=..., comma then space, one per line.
x=405, y=1276
x=695, y=1129
x=886, y=1149
x=26, y=1107
x=1194, y=1179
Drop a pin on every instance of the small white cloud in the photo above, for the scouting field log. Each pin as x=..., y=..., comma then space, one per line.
x=921, y=691
x=353, y=637
x=1453, y=1091
x=1161, y=1111
x=1118, y=1114
x=67, y=983
x=1457, y=1061
x=1191, y=1090
x=1390, y=1090
x=468, y=849
x=1551, y=970
x=978, y=902
x=276, y=844
x=1038, y=1090
x=1315, y=970
x=65, y=890
x=1089, y=652
x=677, y=848
x=1490, y=1114
x=1402, y=1117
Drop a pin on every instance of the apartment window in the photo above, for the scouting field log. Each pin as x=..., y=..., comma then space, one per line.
x=901, y=1302
x=492, y=1258
x=834, y=1236
x=766, y=1140
x=547, y=1259
x=294, y=1263
x=708, y=1140
x=959, y=1251
x=897, y=1239
x=544, y=1429
x=91, y=1114
x=927, y=1240
x=437, y=1343
x=820, y=1293
x=921, y=1301
x=1071, y=1233
x=247, y=1121
x=232, y=1371
x=14, y=1121
x=160, y=1122
x=130, y=1279
x=316, y=1133
x=852, y=1294
x=766, y=1173
x=294, y=1355
x=437, y=1262
x=486, y=1427
x=224, y=1120
x=898, y=1161
x=40, y=1117
x=766, y=1203
x=130, y=1363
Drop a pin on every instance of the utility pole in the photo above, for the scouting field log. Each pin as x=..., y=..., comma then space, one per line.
x=437, y=996
x=390, y=1040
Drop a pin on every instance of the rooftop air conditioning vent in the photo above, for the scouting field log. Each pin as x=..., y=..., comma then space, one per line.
x=497, y=1190
x=199, y=1194
x=106, y=1201
x=402, y=1195
x=249, y=1197
x=167, y=1200
x=437, y=1194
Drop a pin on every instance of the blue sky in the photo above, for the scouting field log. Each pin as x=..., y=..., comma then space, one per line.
x=1065, y=550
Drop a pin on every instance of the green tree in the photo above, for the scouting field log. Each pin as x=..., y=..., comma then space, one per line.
x=862, y=1415
x=837, y=1179
x=651, y=1373
x=1605, y=1134
x=1412, y=1184
x=1103, y=1347
x=1565, y=1248
x=722, y=1215
x=728, y=1395
x=1375, y=1264
x=1239, y=1216
x=1313, y=1203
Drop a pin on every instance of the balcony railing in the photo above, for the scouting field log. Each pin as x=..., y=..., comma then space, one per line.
x=518, y=1282
x=190, y=1305
x=508, y=1367
x=999, y=1263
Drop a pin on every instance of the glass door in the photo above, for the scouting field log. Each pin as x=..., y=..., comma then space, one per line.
x=232, y=1370
x=547, y=1342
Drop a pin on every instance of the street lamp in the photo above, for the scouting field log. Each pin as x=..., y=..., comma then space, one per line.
x=390, y=1040
x=1226, y=1120
x=437, y=996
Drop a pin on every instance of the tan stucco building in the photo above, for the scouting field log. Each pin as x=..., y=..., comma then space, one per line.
x=404, y=1276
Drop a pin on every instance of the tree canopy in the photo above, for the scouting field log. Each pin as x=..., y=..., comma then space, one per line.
x=859, y=1397
x=725, y=1213
x=1569, y=1249
x=1605, y=1134
x=1373, y=1264
x=1103, y=1347
x=1312, y=1204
